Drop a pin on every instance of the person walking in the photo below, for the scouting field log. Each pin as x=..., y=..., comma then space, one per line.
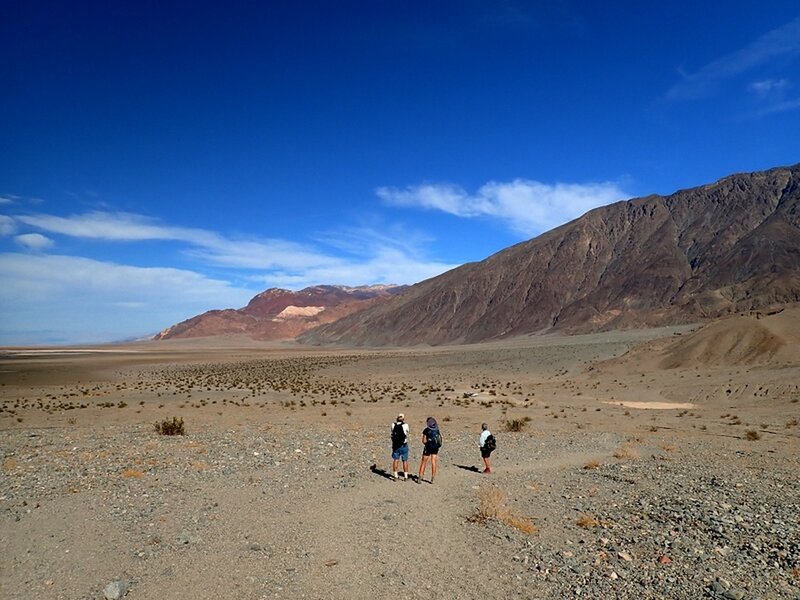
x=399, y=431
x=431, y=442
x=487, y=444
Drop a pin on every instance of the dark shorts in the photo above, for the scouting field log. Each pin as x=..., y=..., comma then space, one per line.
x=429, y=451
x=485, y=452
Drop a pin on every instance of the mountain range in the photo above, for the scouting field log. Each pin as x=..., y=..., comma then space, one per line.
x=695, y=255
x=278, y=314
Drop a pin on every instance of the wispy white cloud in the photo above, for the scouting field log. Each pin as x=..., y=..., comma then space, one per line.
x=104, y=301
x=386, y=265
x=780, y=42
x=772, y=96
x=779, y=107
x=51, y=298
x=205, y=245
x=34, y=241
x=525, y=206
x=766, y=87
x=6, y=200
x=7, y=225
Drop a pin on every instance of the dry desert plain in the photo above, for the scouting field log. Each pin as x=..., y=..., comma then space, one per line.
x=641, y=464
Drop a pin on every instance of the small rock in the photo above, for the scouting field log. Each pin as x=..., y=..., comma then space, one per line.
x=625, y=556
x=116, y=590
x=734, y=594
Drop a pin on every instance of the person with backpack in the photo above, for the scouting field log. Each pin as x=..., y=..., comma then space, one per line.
x=487, y=444
x=431, y=442
x=400, y=446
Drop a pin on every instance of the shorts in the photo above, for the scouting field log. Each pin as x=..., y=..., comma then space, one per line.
x=400, y=453
x=485, y=452
x=429, y=451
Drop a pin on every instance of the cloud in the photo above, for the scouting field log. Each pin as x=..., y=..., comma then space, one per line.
x=768, y=86
x=780, y=42
x=7, y=225
x=34, y=241
x=51, y=299
x=6, y=200
x=69, y=299
x=204, y=245
x=525, y=206
x=386, y=265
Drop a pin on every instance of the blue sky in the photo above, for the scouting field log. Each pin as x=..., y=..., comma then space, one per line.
x=162, y=159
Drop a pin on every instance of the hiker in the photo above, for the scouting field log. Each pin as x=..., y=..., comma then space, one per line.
x=487, y=444
x=400, y=446
x=431, y=442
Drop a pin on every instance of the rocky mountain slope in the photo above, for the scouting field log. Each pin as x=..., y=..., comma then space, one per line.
x=278, y=314
x=699, y=253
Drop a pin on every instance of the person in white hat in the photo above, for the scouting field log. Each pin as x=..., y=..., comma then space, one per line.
x=399, y=431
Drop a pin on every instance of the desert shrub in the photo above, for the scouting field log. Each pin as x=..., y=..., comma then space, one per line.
x=626, y=452
x=752, y=435
x=491, y=507
x=516, y=425
x=587, y=521
x=173, y=427
x=592, y=464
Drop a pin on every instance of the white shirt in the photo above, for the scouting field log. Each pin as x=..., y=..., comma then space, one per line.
x=484, y=434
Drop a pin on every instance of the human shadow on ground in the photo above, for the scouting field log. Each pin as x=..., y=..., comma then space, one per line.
x=387, y=474
x=471, y=468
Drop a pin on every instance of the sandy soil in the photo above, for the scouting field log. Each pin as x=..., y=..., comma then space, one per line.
x=633, y=475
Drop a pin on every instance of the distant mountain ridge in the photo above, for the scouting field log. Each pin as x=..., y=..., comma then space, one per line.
x=278, y=314
x=696, y=254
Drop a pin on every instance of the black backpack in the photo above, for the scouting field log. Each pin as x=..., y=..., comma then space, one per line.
x=490, y=443
x=398, y=436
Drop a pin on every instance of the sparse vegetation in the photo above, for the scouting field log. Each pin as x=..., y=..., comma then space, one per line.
x=491, y=506
x=752, y=435
x=592, y=464
x=171, y=427
x=626, y=452
x=587, y=521
x=516, y=425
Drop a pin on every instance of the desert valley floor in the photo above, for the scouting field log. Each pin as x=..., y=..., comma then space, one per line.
x=667, y=472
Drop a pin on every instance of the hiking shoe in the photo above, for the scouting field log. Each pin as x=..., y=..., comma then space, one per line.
x=418, y=480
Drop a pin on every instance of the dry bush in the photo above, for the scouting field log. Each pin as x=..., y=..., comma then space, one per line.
x=668, y=448
x=522, y=524
x=173, y=427
x=588, y=521
x=132, y=474
x=491, y=507
x=592, y=464
x=752, y=435
x=516, y=425
x=9, y=464
x=626, y=452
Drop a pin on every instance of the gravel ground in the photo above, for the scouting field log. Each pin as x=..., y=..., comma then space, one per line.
x=260, y=511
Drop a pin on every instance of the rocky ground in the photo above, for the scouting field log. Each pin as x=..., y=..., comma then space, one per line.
x=264, y=499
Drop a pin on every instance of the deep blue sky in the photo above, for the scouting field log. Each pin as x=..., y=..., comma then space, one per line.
x=161, y=159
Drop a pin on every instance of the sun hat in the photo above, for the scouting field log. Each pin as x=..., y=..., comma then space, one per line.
x=400, y=417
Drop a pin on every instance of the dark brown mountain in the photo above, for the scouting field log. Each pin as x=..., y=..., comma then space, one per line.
x=699, y=253
x=278, y=314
